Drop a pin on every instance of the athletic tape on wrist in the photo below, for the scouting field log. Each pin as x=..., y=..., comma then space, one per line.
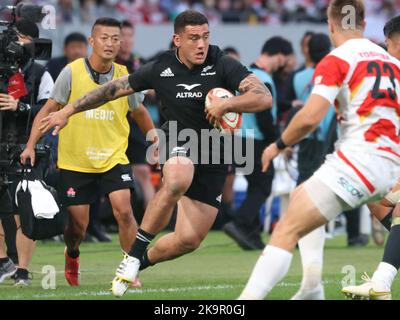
x=393, y=197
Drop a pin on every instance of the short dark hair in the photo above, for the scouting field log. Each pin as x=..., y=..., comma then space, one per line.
x=127, y=24
x=392, y=27
x=75, y=37
x=305, y=35
x=318, y=47
x=189, y=18
x=27, y=28
x=230, y=50
x=277, y=45
x=337, y=15
x=107, y=22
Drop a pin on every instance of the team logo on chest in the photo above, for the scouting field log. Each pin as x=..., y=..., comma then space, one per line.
x=188, y=93
x=205, y=71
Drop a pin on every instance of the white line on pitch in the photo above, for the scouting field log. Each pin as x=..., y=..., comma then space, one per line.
x=161, y=290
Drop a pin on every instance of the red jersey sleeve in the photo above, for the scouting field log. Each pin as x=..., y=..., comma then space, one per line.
x=329, y=77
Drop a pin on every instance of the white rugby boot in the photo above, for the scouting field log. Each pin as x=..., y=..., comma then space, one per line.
x=369, y=290
x=125, y=275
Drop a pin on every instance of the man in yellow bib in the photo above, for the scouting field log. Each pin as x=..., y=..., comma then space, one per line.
x=91, y=151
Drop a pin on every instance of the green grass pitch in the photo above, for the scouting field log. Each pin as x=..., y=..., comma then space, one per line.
x=217, y=270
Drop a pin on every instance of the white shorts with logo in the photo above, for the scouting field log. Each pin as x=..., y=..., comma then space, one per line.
x=358, y=177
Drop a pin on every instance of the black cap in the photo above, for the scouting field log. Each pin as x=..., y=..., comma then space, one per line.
x=27, y=28
x=319, y=46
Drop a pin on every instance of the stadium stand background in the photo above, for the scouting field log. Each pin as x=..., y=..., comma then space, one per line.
x=244, y=24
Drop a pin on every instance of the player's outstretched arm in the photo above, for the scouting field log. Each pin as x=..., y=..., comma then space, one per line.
x=91, y=100
x=109, y=91
x=306, y=120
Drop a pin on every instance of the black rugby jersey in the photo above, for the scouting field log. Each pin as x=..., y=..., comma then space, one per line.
x=182, y=91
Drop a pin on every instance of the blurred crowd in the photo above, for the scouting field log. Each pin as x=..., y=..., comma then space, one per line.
x=217, y=11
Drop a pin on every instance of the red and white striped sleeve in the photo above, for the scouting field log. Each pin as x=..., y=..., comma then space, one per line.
x=329, y=76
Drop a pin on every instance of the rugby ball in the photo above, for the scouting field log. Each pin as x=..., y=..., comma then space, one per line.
x=230, y=121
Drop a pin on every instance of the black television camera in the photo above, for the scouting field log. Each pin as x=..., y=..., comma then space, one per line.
x=13, y=56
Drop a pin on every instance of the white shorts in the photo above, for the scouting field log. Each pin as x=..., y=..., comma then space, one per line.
x=329, y=204
x=358, y=178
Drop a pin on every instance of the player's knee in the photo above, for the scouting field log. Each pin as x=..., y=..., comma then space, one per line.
x=175, y=188
x=189, y=243
x=178, y=177
x=124, y=216
x=288, y=230
x=76, y=228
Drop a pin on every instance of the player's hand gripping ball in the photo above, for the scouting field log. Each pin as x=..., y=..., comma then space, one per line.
x=230, y=121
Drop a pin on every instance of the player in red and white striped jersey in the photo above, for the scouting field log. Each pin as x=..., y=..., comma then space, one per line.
x=363, y=82
x=390, y=264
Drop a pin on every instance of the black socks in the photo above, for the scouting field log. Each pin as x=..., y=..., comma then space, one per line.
x=73, y=254
x=145, y=262
x=143, y=239
x=387, y=220
x=392, y=252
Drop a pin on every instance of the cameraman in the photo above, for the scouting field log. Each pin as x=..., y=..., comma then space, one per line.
x=17, y=117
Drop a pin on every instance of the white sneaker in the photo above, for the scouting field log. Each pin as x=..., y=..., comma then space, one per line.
x=311, y=294
x=125, y=275
x=7, y=269
x=370, y=290
x=119, y=287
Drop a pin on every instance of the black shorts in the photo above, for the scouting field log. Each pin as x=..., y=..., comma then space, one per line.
x=208, y=183
x=76, y=188
x=208, y=180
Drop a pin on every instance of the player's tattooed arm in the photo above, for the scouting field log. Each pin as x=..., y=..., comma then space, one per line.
x=107, y=92
x=254, y=96
x=252, y=84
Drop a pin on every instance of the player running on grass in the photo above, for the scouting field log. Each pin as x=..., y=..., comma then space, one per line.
x=181, y=78
x=379, y=286
x=362, y=81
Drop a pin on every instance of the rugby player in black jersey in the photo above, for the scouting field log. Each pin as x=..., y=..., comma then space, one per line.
x=181, y=78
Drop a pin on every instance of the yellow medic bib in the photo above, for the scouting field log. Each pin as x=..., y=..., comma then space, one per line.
x=96, y=140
